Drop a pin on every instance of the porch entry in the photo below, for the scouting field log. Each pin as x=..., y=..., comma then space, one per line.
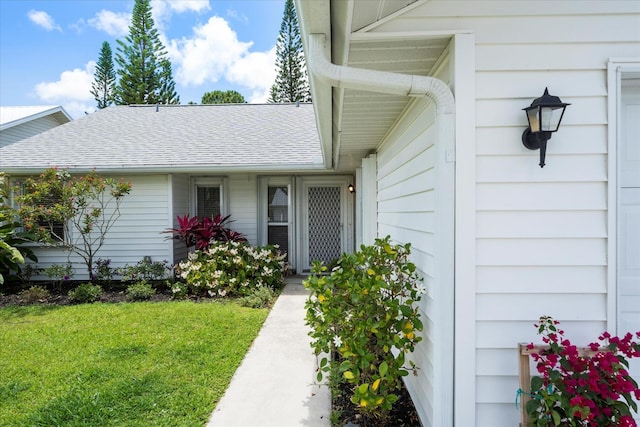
x=310, y=218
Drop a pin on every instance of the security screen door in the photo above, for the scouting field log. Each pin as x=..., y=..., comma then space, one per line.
x=323, y=223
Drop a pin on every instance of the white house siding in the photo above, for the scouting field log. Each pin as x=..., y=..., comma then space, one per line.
x=244, y=205
x=25, y=130
x=407, y=211
x=180, y=186
x=541, y=238
x=136, y=234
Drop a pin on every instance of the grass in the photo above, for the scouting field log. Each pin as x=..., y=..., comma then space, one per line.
x=141, y=364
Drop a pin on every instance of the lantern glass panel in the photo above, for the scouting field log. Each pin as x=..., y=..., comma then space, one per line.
x=551, y=117
x=534, y=121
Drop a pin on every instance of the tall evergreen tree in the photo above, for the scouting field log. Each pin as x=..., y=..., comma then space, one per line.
x=168, y=94
x=145, y=70
x=291, y=83
x=104, y=84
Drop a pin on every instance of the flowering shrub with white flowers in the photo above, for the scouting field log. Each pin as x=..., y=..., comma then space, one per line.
x=230, y=269
x=364, y=315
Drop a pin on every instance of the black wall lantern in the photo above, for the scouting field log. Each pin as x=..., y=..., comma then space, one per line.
x=544, y=115
x=351, y=188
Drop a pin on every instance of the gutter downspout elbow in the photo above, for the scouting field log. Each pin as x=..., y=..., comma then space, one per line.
x=377, y=81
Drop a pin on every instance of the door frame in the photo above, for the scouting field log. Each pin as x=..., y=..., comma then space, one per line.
x=346, y=212
x=263, y=223
x=617, y=70
x=298, y=235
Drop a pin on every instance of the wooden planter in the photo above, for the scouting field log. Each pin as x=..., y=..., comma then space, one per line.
x=524, y=373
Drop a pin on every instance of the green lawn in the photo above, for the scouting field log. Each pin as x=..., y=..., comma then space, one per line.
x=135, y=364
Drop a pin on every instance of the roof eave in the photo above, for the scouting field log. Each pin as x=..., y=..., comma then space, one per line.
x=314, y=17
x=191, y=169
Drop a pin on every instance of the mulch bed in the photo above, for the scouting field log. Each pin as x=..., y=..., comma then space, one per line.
x=403, y=413
x=61, y=297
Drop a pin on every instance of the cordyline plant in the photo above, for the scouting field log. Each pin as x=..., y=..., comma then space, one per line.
x=364, y=316
x=201, y=232
x=583, y=390
x=86, y=207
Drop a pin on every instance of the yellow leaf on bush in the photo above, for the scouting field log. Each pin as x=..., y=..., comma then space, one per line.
x=321, y=298
x=348, y=375
x=408, y=326
x=363, y=403
x=375, y=385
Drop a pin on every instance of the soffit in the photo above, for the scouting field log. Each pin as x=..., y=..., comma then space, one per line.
x=363, y=119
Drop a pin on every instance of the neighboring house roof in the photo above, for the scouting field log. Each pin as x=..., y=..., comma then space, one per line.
x=18, y=123
x=14, y=116
x=176, y=138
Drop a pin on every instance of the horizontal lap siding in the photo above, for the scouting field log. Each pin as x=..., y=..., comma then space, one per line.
x=136, y=233
x=406, y=212
x=26, y=130
x=244, y=205
x=541, y=233
x=180, y=184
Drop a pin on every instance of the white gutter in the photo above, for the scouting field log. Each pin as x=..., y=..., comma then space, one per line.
x=376, y=81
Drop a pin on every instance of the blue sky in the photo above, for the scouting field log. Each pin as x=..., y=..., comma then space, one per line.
x=48, y=48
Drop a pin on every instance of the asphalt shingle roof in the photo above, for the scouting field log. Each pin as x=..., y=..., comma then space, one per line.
x=175, y=137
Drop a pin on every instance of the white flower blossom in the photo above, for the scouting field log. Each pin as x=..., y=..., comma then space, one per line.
x=337, y=341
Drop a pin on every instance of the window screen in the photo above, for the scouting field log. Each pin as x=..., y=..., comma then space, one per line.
x=207, y=201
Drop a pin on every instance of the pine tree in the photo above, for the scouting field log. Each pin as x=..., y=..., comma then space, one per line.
x=145, y=70
x=291, y=83
x=104, y=84
x=168, y=93
x=226, y=97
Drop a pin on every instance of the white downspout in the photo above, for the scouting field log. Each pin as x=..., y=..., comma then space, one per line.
x=417, y=86
x=376, y=81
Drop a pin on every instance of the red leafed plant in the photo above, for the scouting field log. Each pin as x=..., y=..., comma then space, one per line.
x=200, y=233
x=583, y=390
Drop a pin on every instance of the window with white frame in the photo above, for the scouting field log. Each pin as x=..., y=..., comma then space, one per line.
x=208, y=197
x=56, y=229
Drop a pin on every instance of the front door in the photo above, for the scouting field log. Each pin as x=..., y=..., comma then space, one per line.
x=629, y=213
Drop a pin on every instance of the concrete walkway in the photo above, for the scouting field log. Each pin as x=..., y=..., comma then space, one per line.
x=274, y=385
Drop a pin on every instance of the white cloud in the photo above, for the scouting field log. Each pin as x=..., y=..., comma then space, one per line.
x=43, y=19
x=256, y=71
x=189, y=5
x=234, y=14
x=114, y=24
x=161, y=10
x=72, y=90
x=214, y=52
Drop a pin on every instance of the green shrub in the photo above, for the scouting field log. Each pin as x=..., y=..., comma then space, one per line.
x=59, y=273
x=103, y=271
x=35, y=294
x=146, y=270
x=232, y=269
x=85, y=293
x=140, y=291
x=364, y=314
x=179, y=290
x=261, y=297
